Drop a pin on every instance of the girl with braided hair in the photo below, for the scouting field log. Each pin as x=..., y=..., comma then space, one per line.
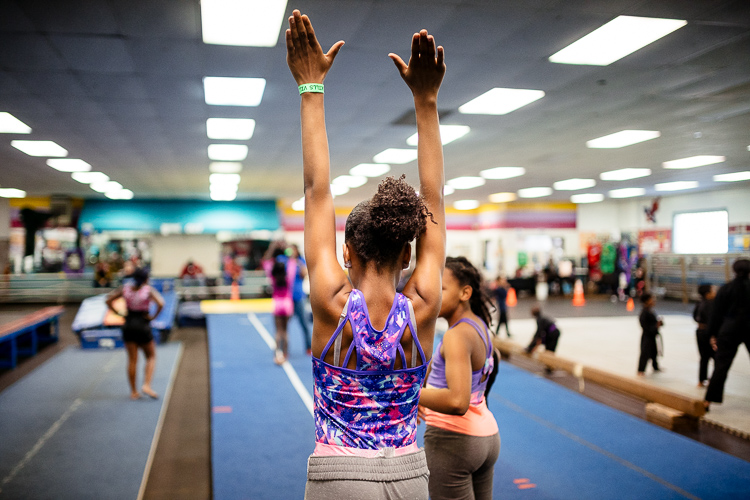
x=453, y=403
x=370, y=344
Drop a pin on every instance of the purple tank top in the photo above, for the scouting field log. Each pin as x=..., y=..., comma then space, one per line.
x=437, y=374
x=373, y=406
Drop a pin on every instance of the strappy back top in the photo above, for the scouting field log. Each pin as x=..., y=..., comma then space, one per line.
x=137, y=300
x=373, y=406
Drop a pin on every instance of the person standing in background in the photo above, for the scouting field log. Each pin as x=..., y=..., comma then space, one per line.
x=702, y=316
x=547, y=332
x=299, y=296
x=650, y=325
x=500, y=292
x=281, y=271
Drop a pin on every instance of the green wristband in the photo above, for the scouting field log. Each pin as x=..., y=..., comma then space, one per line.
x=311, y=87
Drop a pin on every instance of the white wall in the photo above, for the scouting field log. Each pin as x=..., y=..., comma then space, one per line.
x=169, y=254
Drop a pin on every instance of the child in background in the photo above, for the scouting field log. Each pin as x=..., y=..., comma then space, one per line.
x=281, y=271
x=702, y=316
x=547, y=332
x=650, y=325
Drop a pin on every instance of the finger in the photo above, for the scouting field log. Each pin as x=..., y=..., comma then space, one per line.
x=289, y=43
x=414, y=48
x=430, y=49
x=400, y=64
x=334, y=50
x=293, y=33
x=440, y=56
x=311, y=39
x=301, y=33
x=423, y=52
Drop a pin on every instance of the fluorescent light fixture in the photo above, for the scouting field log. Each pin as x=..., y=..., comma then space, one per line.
x=222, y=179
x=616, y=39
x=534, y=192
x=694, y=161
x=106, y=186
x=502, y=172
x=676, y=186
x=500, y=101
x=12, y=193
x=239, y=129
x=395, y=155
x=448, y=134
x=587, y=198
x=370, y=169
x=9, y=124
x=225, y=167
x=448, y=190
x=502, y=197
x=40, y=148
x=299, y=205
x=733, y=177
x=466, y=204
x=622, y=138
x=227, y=152
x=223, y=196
x=69, y=165
x=573, y=184
x=122, y=194
x=339, y=189
x=627, y=192
x=466, y=182
x=350, y=181
x=228, y=91
x=89, y=177
x=625, y=174
x=247, y=23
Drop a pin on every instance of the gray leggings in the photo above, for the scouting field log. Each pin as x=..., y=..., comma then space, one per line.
x=461, y=466
x=381, y=478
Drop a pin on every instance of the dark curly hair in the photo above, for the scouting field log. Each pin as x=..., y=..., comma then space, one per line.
x=466, y=274
x=379, y=228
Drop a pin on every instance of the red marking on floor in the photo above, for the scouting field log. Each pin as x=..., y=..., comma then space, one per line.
x=526, y=486
x=222, y=409
x=520, y=480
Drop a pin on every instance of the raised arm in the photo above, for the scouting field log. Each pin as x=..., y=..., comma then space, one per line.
x=423, y=75
x=309, y=64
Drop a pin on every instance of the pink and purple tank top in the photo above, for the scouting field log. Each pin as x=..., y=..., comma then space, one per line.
x=373, y=406
x=137, y=300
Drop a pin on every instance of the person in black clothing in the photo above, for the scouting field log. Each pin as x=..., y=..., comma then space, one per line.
x=650, y=325
x=500, y=293
x=729, y=327
x=547, y=332
x=702, y=315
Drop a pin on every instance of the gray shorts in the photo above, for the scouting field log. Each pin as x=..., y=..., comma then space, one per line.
x=380, y=478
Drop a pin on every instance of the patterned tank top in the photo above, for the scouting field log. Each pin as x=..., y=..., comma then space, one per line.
x=373, y=406
x=137, y=300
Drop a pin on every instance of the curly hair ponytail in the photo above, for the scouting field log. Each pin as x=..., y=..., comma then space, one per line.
x=379, y=228
x=466, y=274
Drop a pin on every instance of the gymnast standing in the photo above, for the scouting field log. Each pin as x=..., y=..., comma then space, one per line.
x=370, y=342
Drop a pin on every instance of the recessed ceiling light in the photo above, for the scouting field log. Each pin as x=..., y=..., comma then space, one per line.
x=502, y=197
x=625, y=174
x=106, y=186
x=466, y=182
x=122, y=194
x=223, y=189
x=12, y=193
x=227, y=91
x=244, y=23
x=500, y=101
x=694, y=161
x=239, y=129
x=350, y=181
x=339, y=189
x=224, y=179
x=616, y=39
x=466, y=204
x=299, y=205
x=534, y=192
x=502, y=172
x=627, y=192
x=448, y=134
x=9, y=124
x=225, y=167
x=223, y=196
x=395, y=155
x=69, y=165
x=227, y=152
x=448, y=190
x=587, y=198
x=622, y=138
x=40, y=148
x=89, y=177
x=370, y=169
x=733, y=177
x=573, y=184
x=676, y=186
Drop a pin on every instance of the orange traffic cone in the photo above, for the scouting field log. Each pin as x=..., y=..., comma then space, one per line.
x=630, y=305
x=578, y=299
x=235, y=291
x=511, y=300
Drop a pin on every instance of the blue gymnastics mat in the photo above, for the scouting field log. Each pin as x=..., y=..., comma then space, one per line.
x=69, y=430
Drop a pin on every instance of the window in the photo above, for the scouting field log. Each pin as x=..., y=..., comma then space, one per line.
x=701, y=232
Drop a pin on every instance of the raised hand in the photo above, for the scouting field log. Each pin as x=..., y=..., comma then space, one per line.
x=426, y=67
x=304, y=55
